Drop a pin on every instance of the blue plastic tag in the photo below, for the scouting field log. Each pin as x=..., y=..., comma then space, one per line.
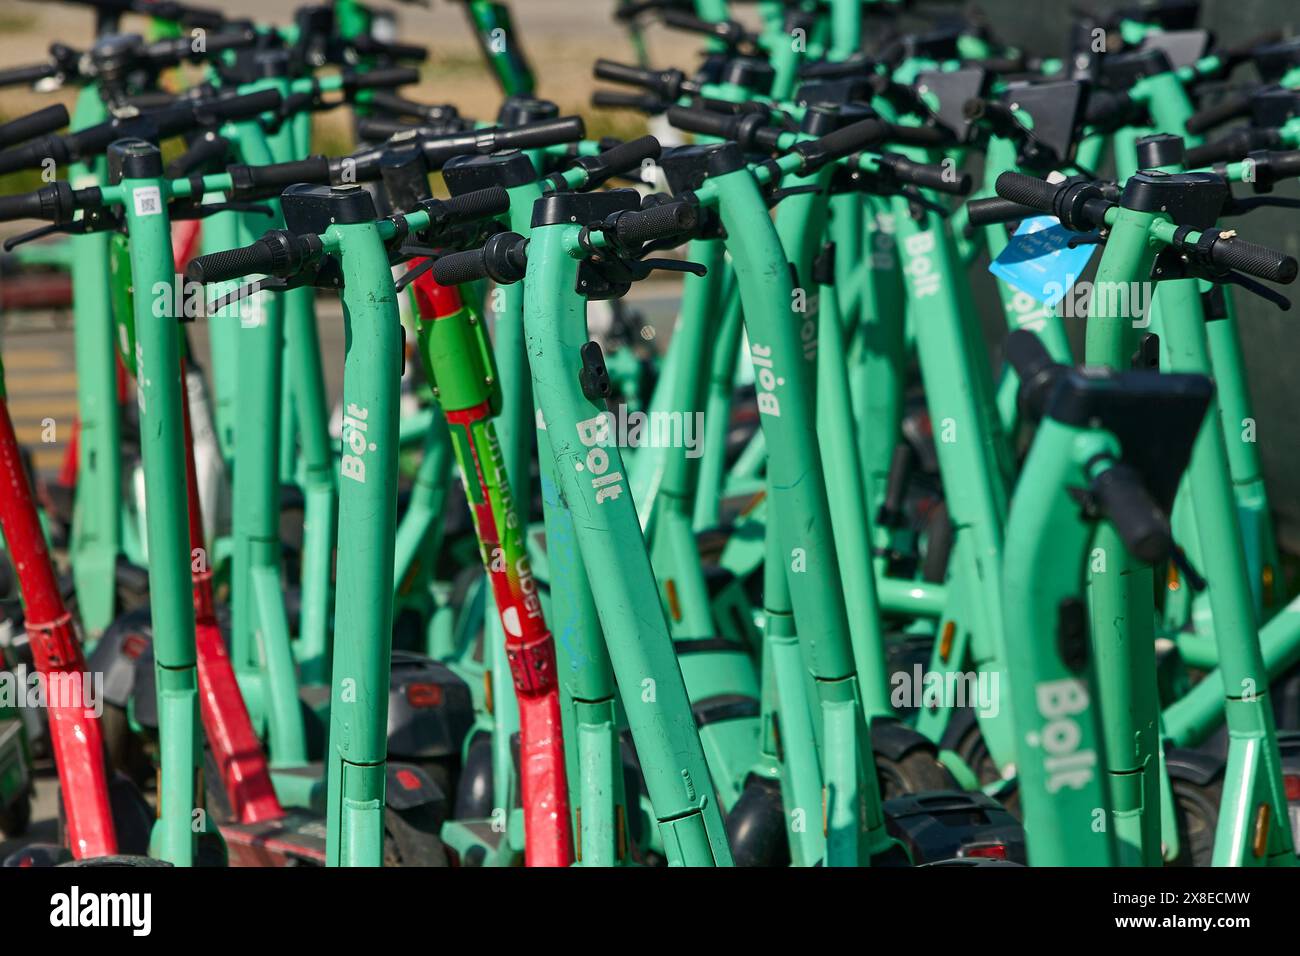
x=1038, y=260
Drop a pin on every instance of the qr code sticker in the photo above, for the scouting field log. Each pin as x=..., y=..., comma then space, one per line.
x=148, y=201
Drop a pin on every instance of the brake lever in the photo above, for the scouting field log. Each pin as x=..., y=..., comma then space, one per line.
x=1239, y=207
x=912, y=195
x=13, y=242
x=774, y=196
x=1261, y=290
x=672, y=265
x=184, y=210
x=1085, y=239
x=250, y=289
x=410, y=275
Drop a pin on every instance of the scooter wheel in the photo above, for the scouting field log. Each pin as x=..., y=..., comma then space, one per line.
x=210, y=850
x=17, y=815
x=474, y=789
x=119, y=860
x=939, y=536
x=1196, y=812
x=411, y=838
x=916, y=772
x=756, y=826
x=975, y=753
x=133, y=817
x=126, y=752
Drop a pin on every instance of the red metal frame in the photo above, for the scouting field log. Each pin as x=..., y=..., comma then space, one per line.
x=74, y=728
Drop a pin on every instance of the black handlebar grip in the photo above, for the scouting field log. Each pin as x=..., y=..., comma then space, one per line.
x=1028, y=191
x=33, y=124
x=257, y=257
x=995, y=209
x=1254, y=260
x=657, y=222
x=383, y=78
x=204, y=17
x=917, y=135
x=369, y=46
x=381, y=127
x=834, y=70
x=1219, y=113
x=475, y=206
x=399, y=105
x=1141, y=524
x=703, y=122
x=20, y=75
x=563, y=129
x=1285, y=164
x=457, y=268
x=642, y=102
x=685, y=20
x=1034, y=366
x=626, y=157
x=614, y=72
x=1230, y=148
x=729, y=31
x=313, y=169
x=241, y=107
x=936, y=176
x=1026, y=353
x=842, y=142
x=182, y=48
x=22, y=206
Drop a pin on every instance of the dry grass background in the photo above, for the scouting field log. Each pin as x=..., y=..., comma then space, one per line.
x=561, y=37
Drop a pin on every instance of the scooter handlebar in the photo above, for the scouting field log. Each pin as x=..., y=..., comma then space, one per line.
x=369, y=46
x=621, y=159
x=389, y=77
x=1254, y=260
x=53, y=203
x=1231, y=147
x=468, y=207
x=641, y=102
x=259, y=181
x=1220, y=113
x=728, y=31
x=658, y=222
x=995, y=209
x=1037, y=194
x=42, y=121
x=22, y=75
x=552, y=132
x=1141, y=524
x=935, y=176
x=163, y=10
x=665, y=83
x=256, y=257
x=503, y=259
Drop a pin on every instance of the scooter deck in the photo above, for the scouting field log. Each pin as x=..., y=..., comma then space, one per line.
x=297, y=839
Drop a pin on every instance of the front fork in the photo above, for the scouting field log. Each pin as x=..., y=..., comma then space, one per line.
x=1254, y=827
x=800, y=519
x=162, y=447
x=363, y=614
x=592, y=480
